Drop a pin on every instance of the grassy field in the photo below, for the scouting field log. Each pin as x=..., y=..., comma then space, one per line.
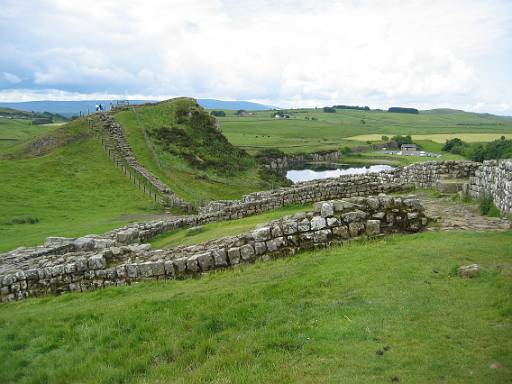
x=442, y=137
x=360, y=313
x=72, y=190
x=188, y=182
x=332, y=130
x=226, y=228
x=16, y=131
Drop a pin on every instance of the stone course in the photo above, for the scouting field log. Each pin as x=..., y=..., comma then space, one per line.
x=493, y=178
x=95, y=266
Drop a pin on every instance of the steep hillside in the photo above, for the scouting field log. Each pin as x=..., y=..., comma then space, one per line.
x=179, y=142
x=63, y=184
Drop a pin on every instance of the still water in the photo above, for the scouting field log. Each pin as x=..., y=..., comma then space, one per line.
x=333, y=170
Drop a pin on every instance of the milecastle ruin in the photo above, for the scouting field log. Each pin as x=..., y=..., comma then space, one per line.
x=346, y=208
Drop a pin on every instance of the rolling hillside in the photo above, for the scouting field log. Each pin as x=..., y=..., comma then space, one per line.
x=310, y=130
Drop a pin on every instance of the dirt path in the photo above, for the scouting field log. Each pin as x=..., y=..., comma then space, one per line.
x=453, y=215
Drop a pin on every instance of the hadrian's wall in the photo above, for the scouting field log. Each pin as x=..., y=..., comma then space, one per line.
x=493, y=178
x=421, y=175
x=330, y=222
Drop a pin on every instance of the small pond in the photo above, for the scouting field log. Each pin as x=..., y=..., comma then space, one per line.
x=323, y=171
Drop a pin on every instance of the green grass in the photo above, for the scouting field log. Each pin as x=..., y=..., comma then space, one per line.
x=16, y=131
x=224, y=228
x=333, y=130
x=441, y=138
x=73, y=190
x=188, y=182
x=317, y=317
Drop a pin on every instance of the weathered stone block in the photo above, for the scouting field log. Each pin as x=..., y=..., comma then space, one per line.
x=84, y=244
x=372, y=227
x=341, y=232
x=97, y=262
x=220, y=257
x=321, y=236
x=180, y=265
x=247, y=252
x=192, y=265
x=327, y=210
x=204, y=260
x=356, y=215
x=127, y=236
x=290, y=227
x=261, y=234
x=355, y=228
x=234, y=255
x=132, y=270
x=303, y=225
x=260, y=247
x=146, y=269
x=318, y=223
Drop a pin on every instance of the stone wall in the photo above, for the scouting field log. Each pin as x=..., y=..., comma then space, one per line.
x=115, y=134
x=91, y=268
x=493, y=178
x=420, y=175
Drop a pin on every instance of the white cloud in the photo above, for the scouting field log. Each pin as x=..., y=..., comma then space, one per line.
x=10, y=77
x=294, y=53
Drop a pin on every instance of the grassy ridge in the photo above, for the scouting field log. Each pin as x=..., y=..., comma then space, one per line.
x=331, y=130
x=361, y=313
x=188, y=181
x=73, y=190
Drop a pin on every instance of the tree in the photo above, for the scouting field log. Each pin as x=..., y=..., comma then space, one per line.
x=384, y=138
x=218, y=113
x=329, y=110
x=448, y=146
x=403, y=110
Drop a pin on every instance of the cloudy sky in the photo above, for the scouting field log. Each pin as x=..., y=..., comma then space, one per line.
x=422, y=53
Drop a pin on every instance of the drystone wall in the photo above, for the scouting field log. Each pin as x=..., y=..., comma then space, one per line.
x=420, y=175
x=89, y=268
x=397, y=180
x=116, y=134
x=493, y=178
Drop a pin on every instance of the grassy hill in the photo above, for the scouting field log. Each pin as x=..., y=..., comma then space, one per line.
x=322, y=131
x=178, y=141
x=16, y=126
x=371, y=312
x=63, y=184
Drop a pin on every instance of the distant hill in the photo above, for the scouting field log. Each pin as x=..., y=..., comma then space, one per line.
x=232, y=105
x=70, y=108
x=29, y=115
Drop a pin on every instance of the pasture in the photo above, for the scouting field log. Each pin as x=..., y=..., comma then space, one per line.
x=441, y=138
x=309, y=130
x=359, y=313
